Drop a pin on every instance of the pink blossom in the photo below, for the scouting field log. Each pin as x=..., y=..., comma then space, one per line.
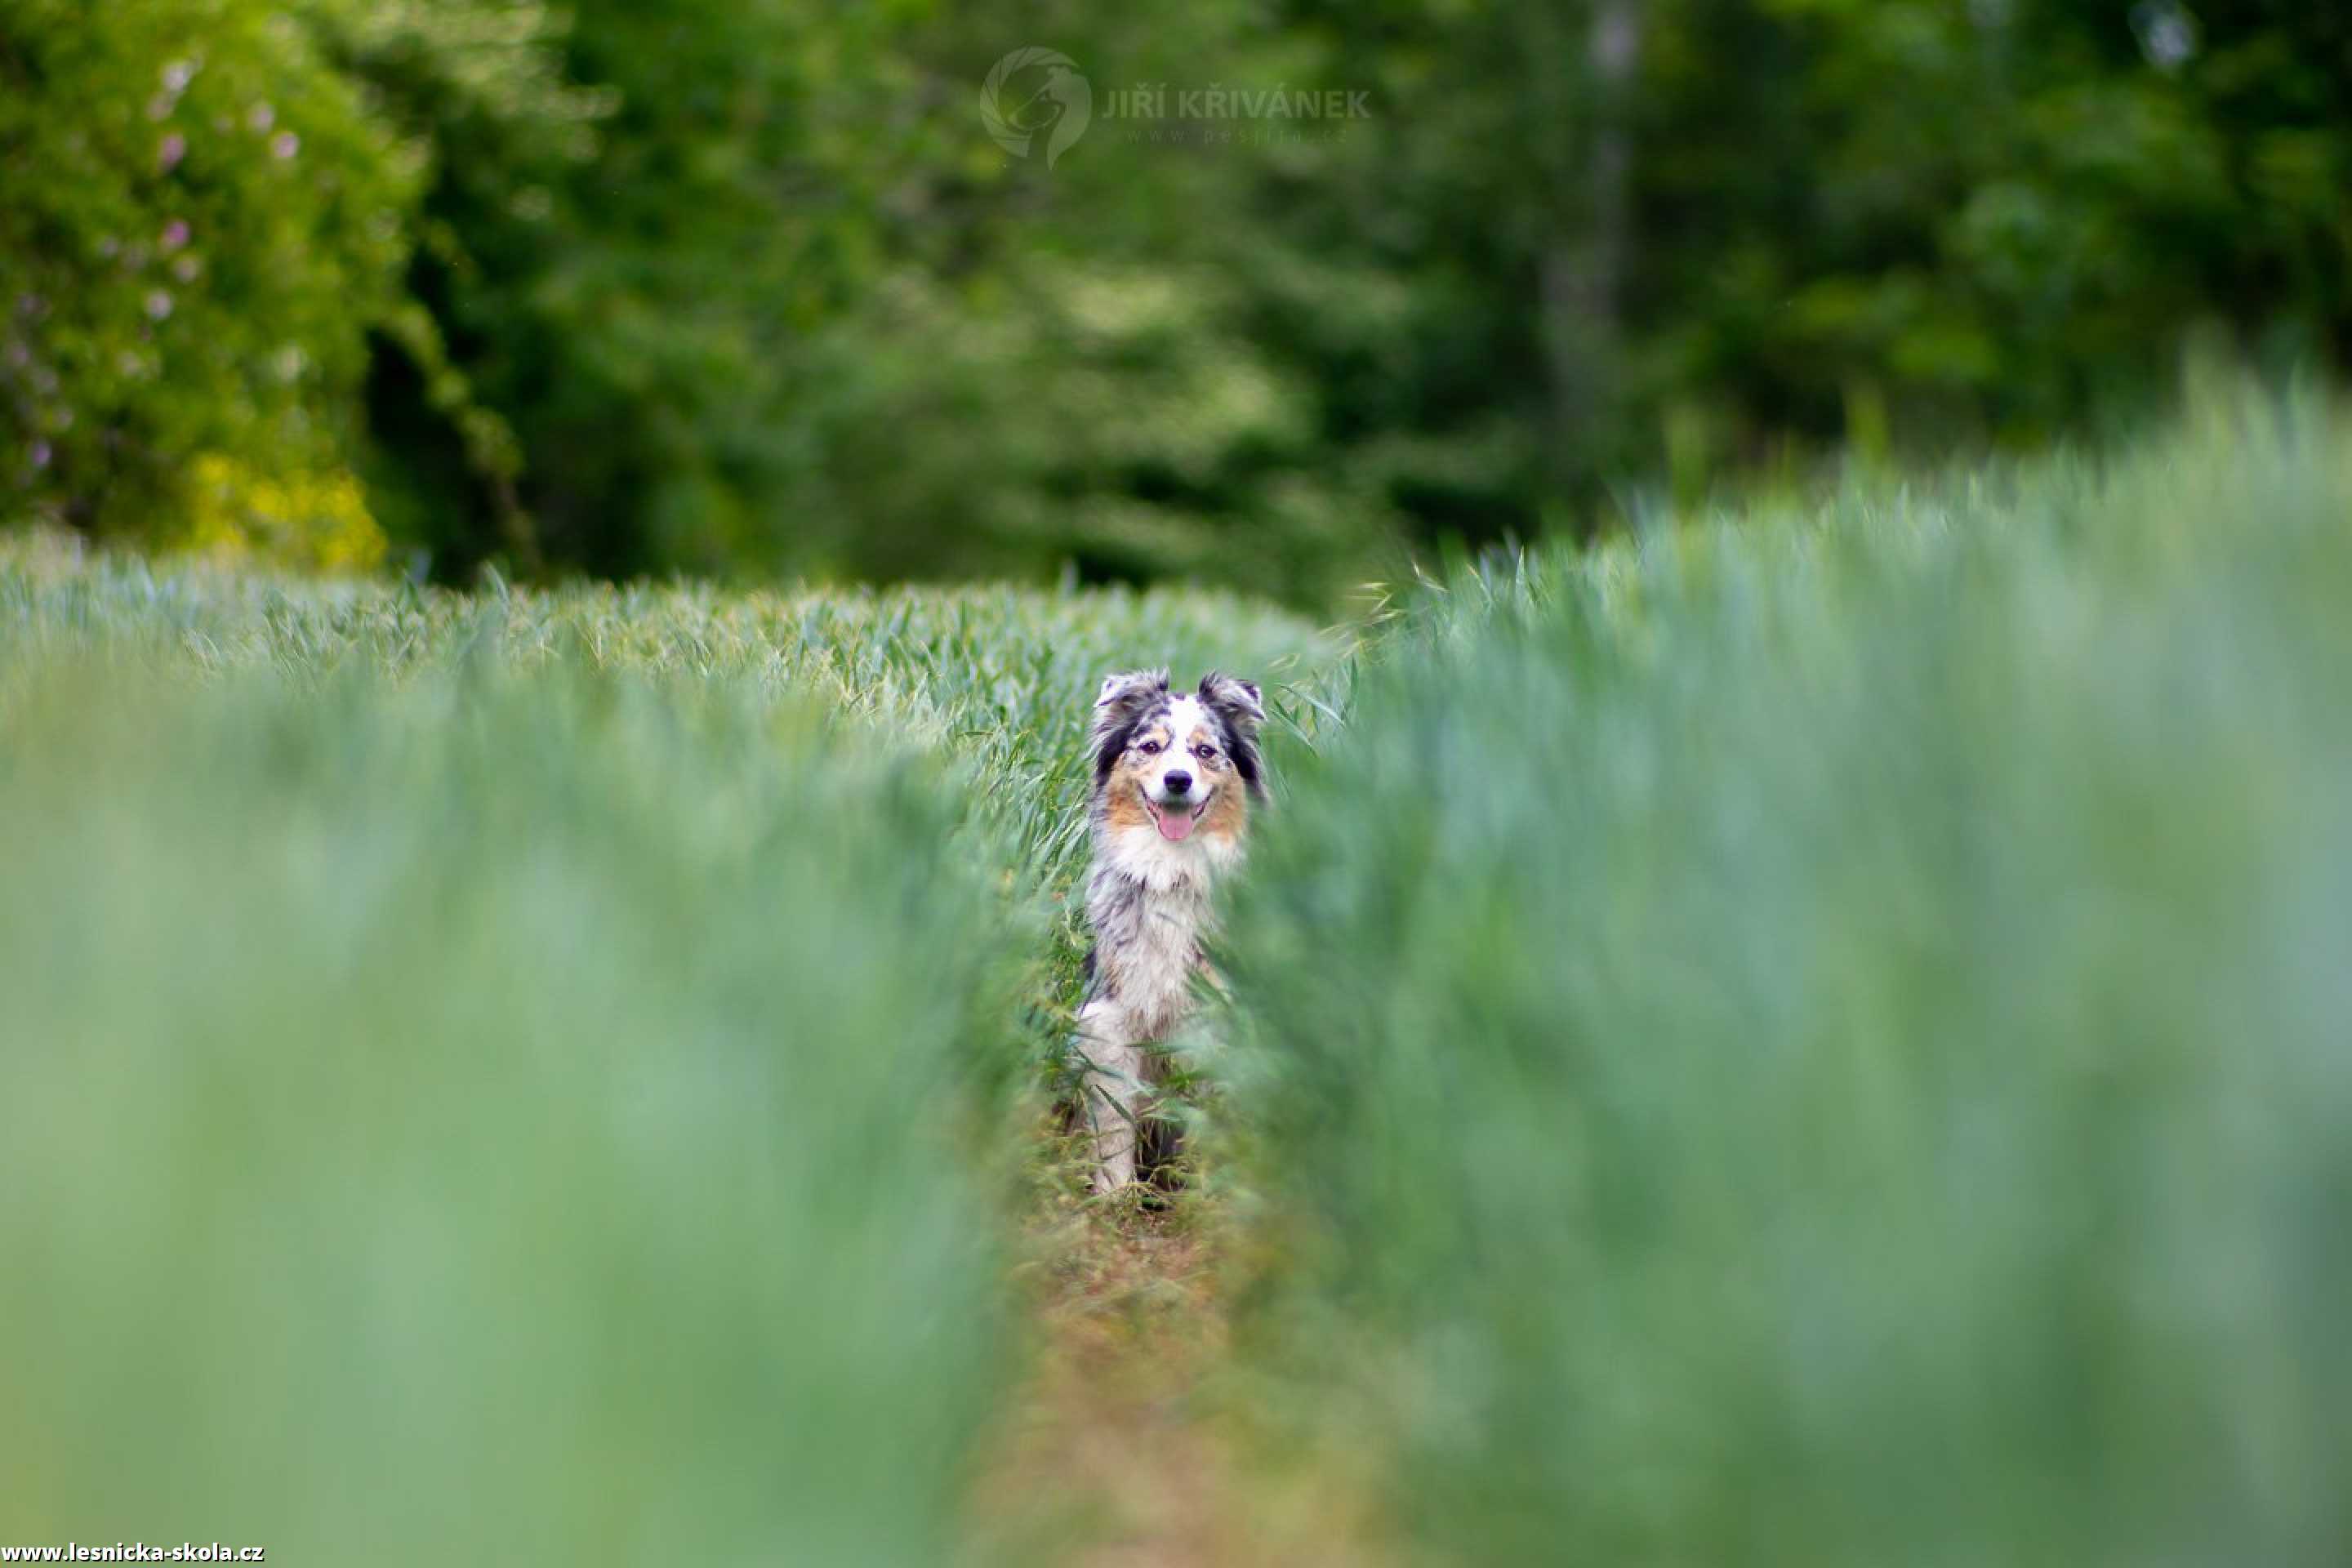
x=158, y=305
x=175, y=235
x=261, y=117
x=171, y=149
x=285, y=144
x=40, y=454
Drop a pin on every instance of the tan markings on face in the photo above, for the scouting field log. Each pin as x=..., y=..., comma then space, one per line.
x=1228, y=812
x=1123, y=805
x=1203, y=738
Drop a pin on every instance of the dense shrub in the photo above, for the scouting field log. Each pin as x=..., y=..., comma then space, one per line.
x=202, y=223
x=210, y=217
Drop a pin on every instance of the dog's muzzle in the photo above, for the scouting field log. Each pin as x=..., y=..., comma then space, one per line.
x=1177, y=816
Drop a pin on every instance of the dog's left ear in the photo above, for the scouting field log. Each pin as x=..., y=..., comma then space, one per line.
x=1238, y=707
x=1236, y=699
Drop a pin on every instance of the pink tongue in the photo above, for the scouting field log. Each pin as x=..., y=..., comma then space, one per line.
x=1174, y=826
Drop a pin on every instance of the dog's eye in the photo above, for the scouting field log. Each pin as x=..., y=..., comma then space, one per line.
x=1149, y=748
x=1206, y=753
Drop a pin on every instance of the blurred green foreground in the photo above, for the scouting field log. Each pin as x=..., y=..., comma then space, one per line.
x=1827, y=1039
x=1811, y=1037
x=511, y=1120
x=525, y=1077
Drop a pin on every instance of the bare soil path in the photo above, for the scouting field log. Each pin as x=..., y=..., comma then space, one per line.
x=1127, y=1449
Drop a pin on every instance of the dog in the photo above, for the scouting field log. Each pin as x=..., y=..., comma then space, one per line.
x=1175, y=776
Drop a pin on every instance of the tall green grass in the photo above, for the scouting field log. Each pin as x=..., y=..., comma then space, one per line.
x=525, y=1077
x=1000, y=674
x=997, y=677
x=506, y=1121
x=1822, y=1039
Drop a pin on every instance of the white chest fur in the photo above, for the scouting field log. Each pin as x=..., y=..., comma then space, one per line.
x=1149, y=905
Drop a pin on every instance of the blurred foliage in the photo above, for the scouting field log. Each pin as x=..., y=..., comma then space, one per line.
x=422, y=1133
x=204, y=243
x=558, y=1046
x=665, y=285
x=998, y=677
x=201, y=221
x=1808, y=1036
x=1817, y=1038
x=319, y=523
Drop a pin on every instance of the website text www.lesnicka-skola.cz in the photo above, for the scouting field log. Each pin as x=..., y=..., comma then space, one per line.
x=135, y=1552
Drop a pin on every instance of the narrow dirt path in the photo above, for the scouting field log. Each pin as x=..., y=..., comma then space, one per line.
x=1125, y=1450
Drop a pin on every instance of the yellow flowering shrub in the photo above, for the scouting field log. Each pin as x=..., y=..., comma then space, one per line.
x=311, y=520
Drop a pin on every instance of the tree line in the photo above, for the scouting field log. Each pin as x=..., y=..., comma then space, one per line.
x=642, y=286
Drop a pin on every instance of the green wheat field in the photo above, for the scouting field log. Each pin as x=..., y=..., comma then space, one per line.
x=1816, y=1036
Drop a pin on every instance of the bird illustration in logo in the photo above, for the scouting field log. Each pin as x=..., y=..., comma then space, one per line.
x=1055, y=108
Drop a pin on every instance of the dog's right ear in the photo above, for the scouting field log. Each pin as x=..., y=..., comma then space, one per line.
x=1235, y=698
x=1134, y=683
x=1122, y=701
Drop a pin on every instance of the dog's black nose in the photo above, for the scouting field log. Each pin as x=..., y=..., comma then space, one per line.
x=1179, y=782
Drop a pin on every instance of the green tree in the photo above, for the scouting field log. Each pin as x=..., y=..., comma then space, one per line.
x=201, y=221
x=204, y=246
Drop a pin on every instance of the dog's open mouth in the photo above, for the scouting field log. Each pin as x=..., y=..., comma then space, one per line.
x=1175, y=824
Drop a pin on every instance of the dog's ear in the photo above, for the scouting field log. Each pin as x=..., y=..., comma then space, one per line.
x=1241, y=710
x=1235, y=698
x=1134, y=683
x=1122, y=699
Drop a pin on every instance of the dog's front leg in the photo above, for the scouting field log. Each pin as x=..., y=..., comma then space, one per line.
x=1114, y=1091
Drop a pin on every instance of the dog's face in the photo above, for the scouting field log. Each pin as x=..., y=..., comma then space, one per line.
x=1177, y=763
